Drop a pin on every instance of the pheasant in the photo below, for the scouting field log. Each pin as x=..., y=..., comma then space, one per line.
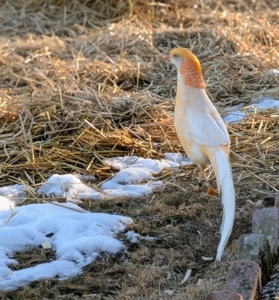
x=203, y=134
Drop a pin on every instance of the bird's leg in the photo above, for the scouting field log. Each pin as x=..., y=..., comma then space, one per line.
x=210, y=190
x=202, y=174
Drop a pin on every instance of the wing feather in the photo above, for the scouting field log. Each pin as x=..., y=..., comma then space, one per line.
x=203, y=129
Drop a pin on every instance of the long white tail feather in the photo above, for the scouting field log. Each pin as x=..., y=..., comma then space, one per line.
x=222, y=169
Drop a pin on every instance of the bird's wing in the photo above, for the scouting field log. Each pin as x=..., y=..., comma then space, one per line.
x=203, y=129
x=215, y=115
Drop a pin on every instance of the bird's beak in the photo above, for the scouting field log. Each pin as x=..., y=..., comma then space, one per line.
x=167, y=57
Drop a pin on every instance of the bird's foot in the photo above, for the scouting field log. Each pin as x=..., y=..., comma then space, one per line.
x=196, y=188
x=211, y=191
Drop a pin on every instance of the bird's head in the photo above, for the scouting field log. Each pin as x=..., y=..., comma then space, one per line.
x=188, y=65
x=179, y=55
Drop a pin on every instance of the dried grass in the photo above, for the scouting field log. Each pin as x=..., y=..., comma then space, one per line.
x=84, y=80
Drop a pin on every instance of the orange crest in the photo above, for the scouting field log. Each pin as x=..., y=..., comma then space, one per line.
x=190, y=68
x=185, y=53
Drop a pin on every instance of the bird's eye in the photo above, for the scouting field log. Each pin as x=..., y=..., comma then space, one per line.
x=175, y=56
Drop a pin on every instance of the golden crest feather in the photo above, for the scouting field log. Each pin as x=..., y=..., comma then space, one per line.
x=185, y=53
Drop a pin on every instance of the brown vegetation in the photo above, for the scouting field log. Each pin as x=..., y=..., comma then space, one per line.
x=68, y=64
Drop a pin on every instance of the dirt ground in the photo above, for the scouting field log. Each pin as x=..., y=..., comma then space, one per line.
x=67, y=64
x=183, y=228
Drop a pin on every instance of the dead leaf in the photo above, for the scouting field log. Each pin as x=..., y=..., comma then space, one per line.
x=182, y=206
x=169, y=275
x=186, y=277
x=168, y=292
x=205, y=258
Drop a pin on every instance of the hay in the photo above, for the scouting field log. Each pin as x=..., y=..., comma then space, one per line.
x=84, y=80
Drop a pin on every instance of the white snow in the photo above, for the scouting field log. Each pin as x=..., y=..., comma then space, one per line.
x=151, y=165
x=134, y=237
x=132, y=190
x=76, y=237
x=70, y=187
x=238, y=115
x=266, y=103
x=234, y=116
x=178, y=159
x=273, y=71
x=127, y=176
x=6, y=203
x=14, y=192
x=135, y=176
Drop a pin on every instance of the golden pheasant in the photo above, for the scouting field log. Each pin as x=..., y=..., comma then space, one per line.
x=203, y=133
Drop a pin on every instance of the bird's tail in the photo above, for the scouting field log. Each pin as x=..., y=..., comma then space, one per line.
x=222, y=169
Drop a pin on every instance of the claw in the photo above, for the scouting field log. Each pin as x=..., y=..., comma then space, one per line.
x=211, y=191
x=196, y=188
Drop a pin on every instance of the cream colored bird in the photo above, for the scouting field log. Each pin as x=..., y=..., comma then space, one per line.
x=203, y=133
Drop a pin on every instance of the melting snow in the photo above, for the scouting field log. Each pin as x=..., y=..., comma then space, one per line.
x=13, y=192
x=68, y=186
x=238, y=115
x=77, y=236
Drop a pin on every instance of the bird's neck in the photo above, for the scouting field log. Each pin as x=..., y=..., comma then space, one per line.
x=191, y=75
x=188, y=96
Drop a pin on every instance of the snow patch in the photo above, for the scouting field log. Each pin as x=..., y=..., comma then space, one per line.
x=78, y=238
x=264, y=103
x=69, y=187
